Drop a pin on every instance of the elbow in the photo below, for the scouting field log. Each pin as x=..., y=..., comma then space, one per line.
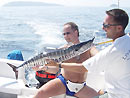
x=84, y=69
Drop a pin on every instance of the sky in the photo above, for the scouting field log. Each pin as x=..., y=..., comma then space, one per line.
x=78, y=2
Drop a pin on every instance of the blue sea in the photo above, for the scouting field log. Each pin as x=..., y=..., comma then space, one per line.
x=31, y=28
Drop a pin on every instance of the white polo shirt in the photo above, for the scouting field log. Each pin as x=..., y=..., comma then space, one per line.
x=115, y=62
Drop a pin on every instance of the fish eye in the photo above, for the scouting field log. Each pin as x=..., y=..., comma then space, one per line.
x=76, y=49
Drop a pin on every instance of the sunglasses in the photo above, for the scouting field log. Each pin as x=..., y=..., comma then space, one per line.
x=66, y=33
x=108, y=25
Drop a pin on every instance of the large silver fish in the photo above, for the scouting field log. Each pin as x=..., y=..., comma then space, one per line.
x=59, y=55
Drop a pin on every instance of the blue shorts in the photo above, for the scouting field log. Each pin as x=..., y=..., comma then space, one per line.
x=68, y=92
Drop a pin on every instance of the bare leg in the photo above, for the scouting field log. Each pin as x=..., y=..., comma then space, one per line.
x=86, y=92
x=51, y=88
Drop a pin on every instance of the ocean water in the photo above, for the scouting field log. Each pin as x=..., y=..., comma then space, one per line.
x=32, y=28
x=29, y=29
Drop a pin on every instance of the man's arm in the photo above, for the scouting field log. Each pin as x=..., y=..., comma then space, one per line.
x=75, y=67
x=78, y=67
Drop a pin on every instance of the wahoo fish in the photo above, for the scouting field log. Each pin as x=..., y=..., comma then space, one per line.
x=58, y=55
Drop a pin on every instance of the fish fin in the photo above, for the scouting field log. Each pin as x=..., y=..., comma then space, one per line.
x=14, y=69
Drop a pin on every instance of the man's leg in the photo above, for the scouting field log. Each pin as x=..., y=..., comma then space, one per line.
x=51, y=88
x=86, y=92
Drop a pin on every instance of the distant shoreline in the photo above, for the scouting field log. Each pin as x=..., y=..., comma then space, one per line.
x=24, y=3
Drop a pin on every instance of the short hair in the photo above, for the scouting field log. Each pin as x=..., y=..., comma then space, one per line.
x=73, y=26
x=119, y=16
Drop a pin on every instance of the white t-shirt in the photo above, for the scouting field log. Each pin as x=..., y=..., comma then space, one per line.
x=115, y=62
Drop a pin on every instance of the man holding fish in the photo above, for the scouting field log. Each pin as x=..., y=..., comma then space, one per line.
x=62, y=84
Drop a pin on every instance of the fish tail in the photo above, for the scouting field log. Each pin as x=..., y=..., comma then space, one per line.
x=14, y=69
x=93, y=38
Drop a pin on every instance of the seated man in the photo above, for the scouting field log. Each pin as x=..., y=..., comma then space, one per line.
x=63, y=83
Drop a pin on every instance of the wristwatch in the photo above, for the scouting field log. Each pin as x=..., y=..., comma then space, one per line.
x=60, y=65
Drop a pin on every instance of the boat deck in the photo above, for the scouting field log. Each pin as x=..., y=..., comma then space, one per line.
x=12, y=88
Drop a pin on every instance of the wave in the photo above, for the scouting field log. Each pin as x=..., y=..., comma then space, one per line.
x=49, y=32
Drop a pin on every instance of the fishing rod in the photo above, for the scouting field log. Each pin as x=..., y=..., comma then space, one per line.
x=104, y=42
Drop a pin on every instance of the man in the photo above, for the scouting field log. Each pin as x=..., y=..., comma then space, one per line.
x=61, y=85
x=114, y=60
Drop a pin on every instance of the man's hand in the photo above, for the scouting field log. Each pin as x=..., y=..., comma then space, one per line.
x=38, y=68
x=51, y=63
